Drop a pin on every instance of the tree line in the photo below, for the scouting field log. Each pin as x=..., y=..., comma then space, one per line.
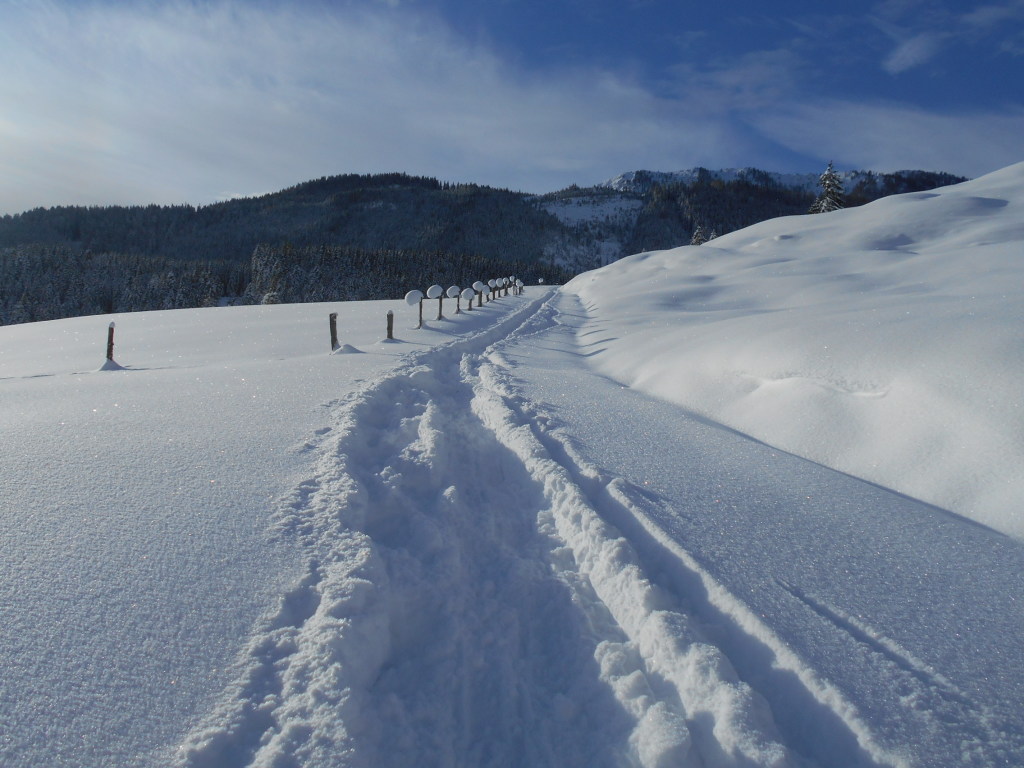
x=383, y=211
x=53, y=282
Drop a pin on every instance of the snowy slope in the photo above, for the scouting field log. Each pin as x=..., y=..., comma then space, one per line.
x=539, y=534
x=135, y=507
x=883, y=341
x=799, y=613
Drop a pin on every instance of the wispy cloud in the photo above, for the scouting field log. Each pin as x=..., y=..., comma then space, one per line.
x=996, y=14
x=1003, y=21
x=749, y=81
x=187, y=101
x=889, y=137
x=197, y=100
x=913, y=52
x=920, y=32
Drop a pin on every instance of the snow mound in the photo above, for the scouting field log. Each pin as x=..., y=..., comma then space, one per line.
x=883, y=341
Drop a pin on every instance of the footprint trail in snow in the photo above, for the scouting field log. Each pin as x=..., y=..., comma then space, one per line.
x=478, y=593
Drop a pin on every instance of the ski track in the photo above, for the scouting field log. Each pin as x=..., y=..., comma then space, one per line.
x=429, y=627
x=476, y=593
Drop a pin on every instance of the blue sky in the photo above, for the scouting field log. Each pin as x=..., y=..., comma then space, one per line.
x=193, y=102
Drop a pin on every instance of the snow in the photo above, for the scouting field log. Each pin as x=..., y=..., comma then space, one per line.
x=883, y=341
x=752, y=503
x=637, y=182
x=585, y=208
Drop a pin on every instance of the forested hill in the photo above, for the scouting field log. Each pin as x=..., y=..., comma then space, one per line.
x=386, y=211
x=353, y=236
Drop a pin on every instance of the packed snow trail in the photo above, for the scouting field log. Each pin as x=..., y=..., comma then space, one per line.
x=443, y=620
x=879, y=628
x=429, y=628
x=513, y=561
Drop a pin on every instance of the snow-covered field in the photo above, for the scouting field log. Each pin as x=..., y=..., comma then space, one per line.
x=577, y=527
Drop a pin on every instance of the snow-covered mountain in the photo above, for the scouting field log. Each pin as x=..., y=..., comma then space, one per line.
x=752, y=503
x=640, y=182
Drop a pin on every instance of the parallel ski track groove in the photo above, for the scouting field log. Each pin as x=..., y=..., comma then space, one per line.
x=698, y=596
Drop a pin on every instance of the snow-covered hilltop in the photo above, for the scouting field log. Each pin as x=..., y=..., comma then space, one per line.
x=882, y=340
x=755, y=503
x=640, y=182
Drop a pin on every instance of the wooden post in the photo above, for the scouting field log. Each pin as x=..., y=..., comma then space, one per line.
x=391, y=324
x=110, y=343
x=440, y=301
x=334, y=330
x=421, y=314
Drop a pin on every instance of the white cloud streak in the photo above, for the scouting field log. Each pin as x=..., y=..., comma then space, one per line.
x=995, y=15
x=188, y=102
x=886, y=137
x=185, y=101
x=913, y=52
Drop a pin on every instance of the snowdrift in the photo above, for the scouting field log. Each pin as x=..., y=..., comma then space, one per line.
x=884, y=341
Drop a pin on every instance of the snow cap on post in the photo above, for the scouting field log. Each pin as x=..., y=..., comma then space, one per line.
x=492, y=282
x=434, y=291
x=468, y=294
x=413, y=299
x=479, y=286
x=454, y=291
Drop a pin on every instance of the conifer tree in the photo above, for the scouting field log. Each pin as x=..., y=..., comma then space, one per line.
x=831, y=197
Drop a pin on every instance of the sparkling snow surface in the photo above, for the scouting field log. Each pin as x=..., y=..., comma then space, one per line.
x=540, y=533
x=885, y=341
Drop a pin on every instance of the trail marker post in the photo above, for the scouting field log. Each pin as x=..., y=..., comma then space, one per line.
x=391, y=324
x=413, y=298
x=437, y=292
x=110, y=343
x=333, y=320
x=454, y=292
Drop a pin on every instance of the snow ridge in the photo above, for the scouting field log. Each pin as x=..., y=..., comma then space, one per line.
x=722, y=708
